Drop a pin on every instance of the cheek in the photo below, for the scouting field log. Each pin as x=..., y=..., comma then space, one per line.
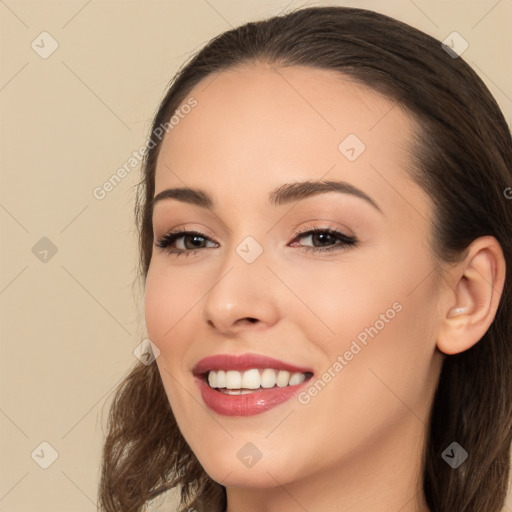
x=380, y=314
x=168, y=305
x=156, y=306
x=337, y=301
x=388, y=357
x=164, y=313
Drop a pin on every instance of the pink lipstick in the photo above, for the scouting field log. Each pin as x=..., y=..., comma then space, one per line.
x=247, y=384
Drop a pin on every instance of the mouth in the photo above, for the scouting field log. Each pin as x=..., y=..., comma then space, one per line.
x=233, y=382
x=247, y=384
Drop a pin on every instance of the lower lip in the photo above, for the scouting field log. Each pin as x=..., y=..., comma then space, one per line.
x=248, y=404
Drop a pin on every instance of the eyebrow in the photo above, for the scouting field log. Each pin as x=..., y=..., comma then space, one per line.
x=284, y=194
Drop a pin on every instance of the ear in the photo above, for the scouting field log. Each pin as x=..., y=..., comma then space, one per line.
x=478, y=286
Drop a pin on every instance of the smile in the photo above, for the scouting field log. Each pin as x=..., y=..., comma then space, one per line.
x=248, y=384
x=234, y=382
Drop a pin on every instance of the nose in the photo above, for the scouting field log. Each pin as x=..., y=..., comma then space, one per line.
x=242, y=297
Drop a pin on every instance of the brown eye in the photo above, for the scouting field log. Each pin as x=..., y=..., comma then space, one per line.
x=191, y=241
x=326, y=239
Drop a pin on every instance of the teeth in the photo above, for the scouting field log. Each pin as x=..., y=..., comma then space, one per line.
x=283, y=378
x=233, y=379
x=217, y=379
x=250, y=379
x=242, y=382
x=297, y=378
x=221, y=379
x=268, y=378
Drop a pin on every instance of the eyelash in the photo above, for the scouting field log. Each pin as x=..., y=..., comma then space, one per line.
x=346, y=241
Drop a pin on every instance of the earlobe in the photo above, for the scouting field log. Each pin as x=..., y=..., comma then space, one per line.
x=479, y=282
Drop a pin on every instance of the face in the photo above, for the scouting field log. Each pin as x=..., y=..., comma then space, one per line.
x=334, y=284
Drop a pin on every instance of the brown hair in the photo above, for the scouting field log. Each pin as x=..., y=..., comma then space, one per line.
x=463, y=160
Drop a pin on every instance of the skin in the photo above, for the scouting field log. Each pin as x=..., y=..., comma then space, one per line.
x=356, y=446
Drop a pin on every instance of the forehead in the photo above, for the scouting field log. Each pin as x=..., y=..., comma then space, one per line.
x=257, y=126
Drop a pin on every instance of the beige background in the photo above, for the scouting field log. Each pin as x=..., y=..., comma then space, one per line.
x=70, y=324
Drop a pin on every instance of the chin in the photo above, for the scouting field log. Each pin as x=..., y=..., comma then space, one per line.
x=230, y=470
x=255, y=477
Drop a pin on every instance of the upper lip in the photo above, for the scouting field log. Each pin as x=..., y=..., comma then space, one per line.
x=244, y=362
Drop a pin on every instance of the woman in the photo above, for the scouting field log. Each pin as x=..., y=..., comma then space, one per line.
x=324, y=236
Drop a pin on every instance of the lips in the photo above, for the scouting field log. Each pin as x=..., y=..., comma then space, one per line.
x=253, y=402
x=244, y=362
